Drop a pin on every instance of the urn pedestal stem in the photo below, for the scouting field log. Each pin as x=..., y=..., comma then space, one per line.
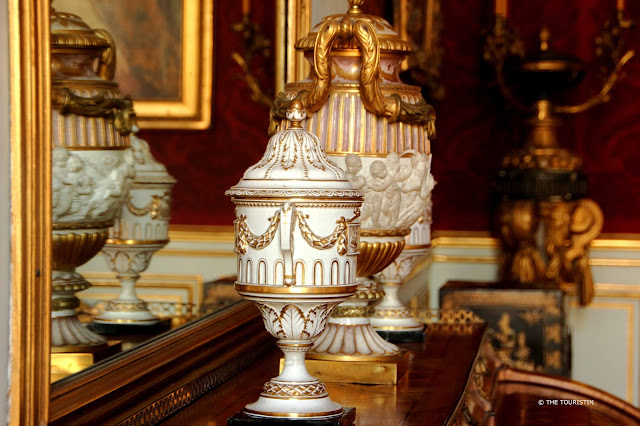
x=128, y=261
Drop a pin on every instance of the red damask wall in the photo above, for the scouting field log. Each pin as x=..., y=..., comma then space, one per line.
x=475, y=127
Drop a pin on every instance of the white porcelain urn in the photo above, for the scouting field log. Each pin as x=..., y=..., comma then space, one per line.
x=141, y=229
x=297, y=237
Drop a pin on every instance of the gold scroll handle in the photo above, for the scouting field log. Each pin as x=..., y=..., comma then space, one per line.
x=359, y=28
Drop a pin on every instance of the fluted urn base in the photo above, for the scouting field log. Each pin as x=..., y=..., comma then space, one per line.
x=72, y=246
x=391, y=315
x=68, y=334
x=349, y=335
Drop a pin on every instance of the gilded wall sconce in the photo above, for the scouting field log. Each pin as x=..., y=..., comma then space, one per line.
x=543, y=186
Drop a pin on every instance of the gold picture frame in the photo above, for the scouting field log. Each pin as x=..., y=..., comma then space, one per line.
x=171, y=87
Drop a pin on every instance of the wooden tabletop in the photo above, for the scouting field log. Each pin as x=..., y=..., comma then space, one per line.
x=428, y=394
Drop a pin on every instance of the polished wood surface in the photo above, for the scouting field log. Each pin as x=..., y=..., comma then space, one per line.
x=524, y=398
x=430, y=393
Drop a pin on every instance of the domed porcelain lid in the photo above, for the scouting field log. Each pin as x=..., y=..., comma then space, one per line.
x=388, y=38
x=148, y=169
x=294, y=164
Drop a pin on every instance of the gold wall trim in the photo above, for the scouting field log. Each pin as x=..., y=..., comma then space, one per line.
x=201, y=233
x=630, y=310
x=222, y=233
x=614, y=262
x=439, y=258
x=496, y=259
x=619, y=244
x=483, y=239
x=196, y=253
x=31, y=226
x=193, y=284
x=479, y=242
x=442, y=239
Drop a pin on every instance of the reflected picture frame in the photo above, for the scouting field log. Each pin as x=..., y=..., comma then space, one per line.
x=176, y=93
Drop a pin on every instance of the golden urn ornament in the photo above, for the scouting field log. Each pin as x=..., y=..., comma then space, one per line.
x=377, y=128
x=545, y=222
x=92, y=165
x=296, y=228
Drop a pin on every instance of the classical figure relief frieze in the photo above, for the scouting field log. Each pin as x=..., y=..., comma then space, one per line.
x=396, y=189
x=86, y=189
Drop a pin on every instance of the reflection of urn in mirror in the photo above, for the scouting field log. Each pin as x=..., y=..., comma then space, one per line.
x=377, y=128
x=297, y=224
x=141, y=229
x=391, y=318
x=92, y=165
x=545, y=223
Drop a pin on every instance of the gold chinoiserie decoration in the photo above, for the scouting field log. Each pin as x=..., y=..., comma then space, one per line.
x=542, y=185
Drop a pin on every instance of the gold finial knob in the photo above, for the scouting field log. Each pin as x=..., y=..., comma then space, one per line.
x=545, y=36
x=354, y=6
x=296, y=113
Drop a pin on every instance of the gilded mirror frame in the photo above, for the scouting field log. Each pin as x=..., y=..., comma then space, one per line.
x=30, y=196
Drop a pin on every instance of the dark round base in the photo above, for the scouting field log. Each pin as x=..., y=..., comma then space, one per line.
x=120, y=329
x=401, y=336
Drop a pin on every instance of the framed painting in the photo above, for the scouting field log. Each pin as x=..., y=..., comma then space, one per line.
x=164, y=54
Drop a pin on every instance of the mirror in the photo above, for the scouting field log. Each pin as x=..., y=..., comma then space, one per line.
x=168, y=74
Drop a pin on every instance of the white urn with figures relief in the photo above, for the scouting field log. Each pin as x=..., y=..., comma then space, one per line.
x=92, y=166
x=378, y=129
x=297, y=229
x=141, y=229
